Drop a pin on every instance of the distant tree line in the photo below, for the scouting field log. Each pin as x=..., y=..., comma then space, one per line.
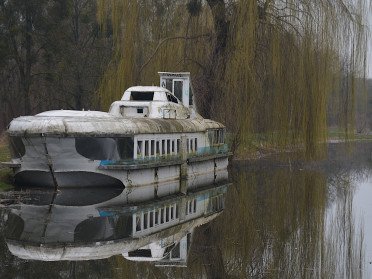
x=52, y=55
x=267, y=68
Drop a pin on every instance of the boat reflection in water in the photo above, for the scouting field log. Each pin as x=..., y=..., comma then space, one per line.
x=96, y=223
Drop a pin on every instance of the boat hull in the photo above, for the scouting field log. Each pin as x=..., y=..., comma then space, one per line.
x=55, y=162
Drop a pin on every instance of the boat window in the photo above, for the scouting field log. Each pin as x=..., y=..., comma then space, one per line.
x=17, y=148
x=188, y=145
x=169, y=84
x=192, y=145
x=139, y=148
x=176, y=253
x=178, y=145
x=138, y=223
x=172, y=99
x=162, y=216
x=178, y=88
x=215, y=203
x=143, y=253
x=216, y=136
x=97, y=148
x=122, y=108
x=146, y=148
x=167, y=214
x=163, y=147
x=125, y=148
x=196, y=144
x=103, y=228
x=173, y=147
x=145, y=220
x=157, y=147
x=222, y=136
x=15, y=226
x=168, y=146
x=152, y=147
x=156, y=217
x=141, y=96
x=151, y=219
x=172, y=212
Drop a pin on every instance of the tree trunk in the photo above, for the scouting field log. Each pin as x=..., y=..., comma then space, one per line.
x=217, y=63
x=28, y=59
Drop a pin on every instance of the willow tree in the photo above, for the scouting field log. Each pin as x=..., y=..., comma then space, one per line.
x=265, y=67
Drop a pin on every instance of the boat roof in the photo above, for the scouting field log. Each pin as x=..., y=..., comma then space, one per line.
x=148, y=89
x=68, y=123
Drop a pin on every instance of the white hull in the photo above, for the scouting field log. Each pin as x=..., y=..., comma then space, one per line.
x=54, y=162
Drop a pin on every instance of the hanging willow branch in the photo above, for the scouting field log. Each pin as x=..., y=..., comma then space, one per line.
x=271, y=70
x=163, y=41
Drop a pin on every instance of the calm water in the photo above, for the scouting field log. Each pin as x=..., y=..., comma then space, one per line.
x=282, y=218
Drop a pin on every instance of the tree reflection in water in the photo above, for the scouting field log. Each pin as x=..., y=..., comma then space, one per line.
x=281, y=220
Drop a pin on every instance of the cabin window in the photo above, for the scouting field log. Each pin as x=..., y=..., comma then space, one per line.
x=196, y=144
x=97, y=148
x=163, y=147
x=138, y=223
x=146, y=148
x=168, y=146
x=139, y=110
x=216, y=136
x=172, y=212
x=167, y=214
x=188, y=145
x=178, y=145
x=125, y=148
x=162, y=216
x=176, y=253
x=157, y=148
x=91, y=229
x=173, y=147
x=152, y=147
x=121, y=110
x=151, y=219
x=17, y=147
x=192, y=145
x=141, y=96
x=215, y=203
x=178, y=88
x=169, y=84
x=143, y=253
x=191, y=207
x=139, y=148
x=222, y=136
x=145, y=220
x=105, y=148
x=172, y=99
x=156, y=217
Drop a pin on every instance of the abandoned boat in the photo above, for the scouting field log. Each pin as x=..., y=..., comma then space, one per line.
x=152, y=135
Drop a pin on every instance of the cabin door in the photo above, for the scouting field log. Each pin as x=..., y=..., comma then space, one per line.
x=177, y=88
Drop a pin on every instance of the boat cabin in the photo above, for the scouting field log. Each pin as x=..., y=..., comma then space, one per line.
x=171, y=101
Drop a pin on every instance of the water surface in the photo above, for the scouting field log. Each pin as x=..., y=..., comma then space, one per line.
x=283, y=218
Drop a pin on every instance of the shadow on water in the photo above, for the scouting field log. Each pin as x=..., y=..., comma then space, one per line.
x=283, y=218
